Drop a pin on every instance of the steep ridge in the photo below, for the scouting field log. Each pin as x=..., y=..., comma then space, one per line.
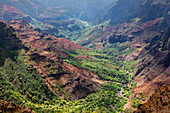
x=69, y=77
x=145, y=10
x=17, y=83
x=134, y=32
x=153, y=9
x=153, y=68
x=159, y=102
x=29, y=10
x=29, y=7
x=9, y=44
x=139, y=28
x=9, y=13
x=122, y=11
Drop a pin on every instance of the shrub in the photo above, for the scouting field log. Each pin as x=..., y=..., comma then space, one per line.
x=135, y=102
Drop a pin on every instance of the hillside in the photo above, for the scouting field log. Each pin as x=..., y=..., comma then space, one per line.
x=122, y=11
x=9, y=13
x=145, y=10
x=29, y=7
x=158, y=102
x=135, y=30
x=34, y=40
x=152, y=67
x=61, y=67
x=36, y=10
x=8, y=107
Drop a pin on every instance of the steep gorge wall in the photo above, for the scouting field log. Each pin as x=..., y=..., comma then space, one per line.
x=154, y=65
x=75, y=82
x=159, y=102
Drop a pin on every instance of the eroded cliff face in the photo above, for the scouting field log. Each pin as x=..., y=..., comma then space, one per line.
x=122, y=11
x=153, y=9
x=159, y=102
x=129, y=34
x=139, y=24
x=62, y=78
x=153, y=67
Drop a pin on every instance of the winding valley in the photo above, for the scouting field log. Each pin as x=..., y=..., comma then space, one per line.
x=84, y=56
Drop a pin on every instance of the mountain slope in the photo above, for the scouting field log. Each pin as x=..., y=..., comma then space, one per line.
x=50, y=65
x=121, y=11
x=145, y=10
x=8, y=107
x=153, y=68
x=35, y=10
x=9, y=13
x=158, y=102
x=152, y=9
x=135, y=29
x=29, y=7
x=18, y=84
x=36, y=69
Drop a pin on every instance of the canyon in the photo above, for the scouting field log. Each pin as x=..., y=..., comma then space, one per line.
x=115, y=57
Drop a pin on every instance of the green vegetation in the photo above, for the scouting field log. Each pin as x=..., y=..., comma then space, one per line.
x=134, y=85
x=135, y=102
x=107, y=67
x=119, y=106
x=70, y=29
x=22, y=84
x=16, y=80
x=27, y=88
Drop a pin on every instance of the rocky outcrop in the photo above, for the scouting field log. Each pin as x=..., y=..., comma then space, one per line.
x=9, y=107
x=159, y=102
